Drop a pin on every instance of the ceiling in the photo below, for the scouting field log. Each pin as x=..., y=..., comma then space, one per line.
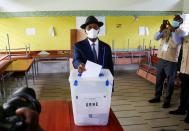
x=82, y=5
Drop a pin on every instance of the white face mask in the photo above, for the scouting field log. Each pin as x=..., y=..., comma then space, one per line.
x=92, y=33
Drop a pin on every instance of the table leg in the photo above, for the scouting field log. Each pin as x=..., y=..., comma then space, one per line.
x=139, y=58
x=35, y=71
x=37, y=66
x=68, y=65
x=26, y=78
x=1, y=89
x=2, y=86
x=33, y=74
x=131, y=58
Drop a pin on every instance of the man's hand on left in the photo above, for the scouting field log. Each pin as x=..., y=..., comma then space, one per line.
x=31, y=118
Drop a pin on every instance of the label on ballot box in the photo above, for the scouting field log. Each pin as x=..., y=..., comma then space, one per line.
x=91, y=103
x=91, y=98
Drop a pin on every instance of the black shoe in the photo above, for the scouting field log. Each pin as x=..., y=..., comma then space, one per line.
x=166, y=105
x=187, y=119
x=178, y=112
x=154, y=100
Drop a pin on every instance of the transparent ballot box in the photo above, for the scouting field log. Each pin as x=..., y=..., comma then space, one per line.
x=91, y=98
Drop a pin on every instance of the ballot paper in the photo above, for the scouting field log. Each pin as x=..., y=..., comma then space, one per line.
x=92, y=69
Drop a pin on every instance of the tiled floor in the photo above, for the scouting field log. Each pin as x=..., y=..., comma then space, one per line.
x=129, y=101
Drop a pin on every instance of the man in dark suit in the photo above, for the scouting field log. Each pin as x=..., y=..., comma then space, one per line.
x=92, y=48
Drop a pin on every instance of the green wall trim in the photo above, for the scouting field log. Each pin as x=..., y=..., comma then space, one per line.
x=87, y=13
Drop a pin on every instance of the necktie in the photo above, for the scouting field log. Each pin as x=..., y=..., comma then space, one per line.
x=94, y=52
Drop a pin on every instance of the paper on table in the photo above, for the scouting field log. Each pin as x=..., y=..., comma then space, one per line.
x=92, y=69
x=43, y=53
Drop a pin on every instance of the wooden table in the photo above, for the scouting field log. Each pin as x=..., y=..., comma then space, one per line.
x=21, y=66
x=3, y=56
x=58, y=116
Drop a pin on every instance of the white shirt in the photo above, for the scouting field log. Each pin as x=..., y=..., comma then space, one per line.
x=96, y=45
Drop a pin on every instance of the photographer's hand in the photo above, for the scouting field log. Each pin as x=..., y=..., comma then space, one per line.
x=162, y=27
x=31, y=118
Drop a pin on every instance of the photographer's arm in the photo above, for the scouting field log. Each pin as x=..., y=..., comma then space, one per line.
x=178, y=37
x=158, y=35
x=31, y=118
x=78, y=61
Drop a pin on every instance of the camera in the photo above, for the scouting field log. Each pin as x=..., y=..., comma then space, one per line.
x=165, y=22
x=23, y=97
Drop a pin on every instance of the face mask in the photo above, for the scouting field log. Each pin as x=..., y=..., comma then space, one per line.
x=175, y=23
x=92, y=33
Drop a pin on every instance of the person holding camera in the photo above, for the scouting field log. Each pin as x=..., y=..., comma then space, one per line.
x=21, y=112
x=171, y=39
x=184, y=77
x=31, y=118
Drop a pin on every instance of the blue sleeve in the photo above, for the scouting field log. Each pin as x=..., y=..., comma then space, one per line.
x=77, y=58
x=158, y=35
x=178, y=38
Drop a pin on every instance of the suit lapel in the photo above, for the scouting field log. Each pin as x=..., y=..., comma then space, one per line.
x=100, y=53
x=89, y=53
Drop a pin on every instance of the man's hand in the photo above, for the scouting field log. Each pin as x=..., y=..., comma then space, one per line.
x=81, y=68
x=162, y=27
x=31, y=118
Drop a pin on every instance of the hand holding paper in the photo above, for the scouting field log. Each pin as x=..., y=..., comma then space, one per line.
x=92, y=69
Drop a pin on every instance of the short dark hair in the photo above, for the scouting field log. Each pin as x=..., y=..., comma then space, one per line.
x=179, y=18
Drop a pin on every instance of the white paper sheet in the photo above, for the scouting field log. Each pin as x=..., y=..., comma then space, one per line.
x=43, y=53
x=142, y=31
x=92, y=69
x=52, y=32
x=30, y=31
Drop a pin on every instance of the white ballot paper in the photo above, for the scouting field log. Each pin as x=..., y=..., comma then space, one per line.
x=92, y=69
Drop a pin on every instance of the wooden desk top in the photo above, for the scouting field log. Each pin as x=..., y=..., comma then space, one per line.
x=58, y=116
x=20, y=65
x=3, y=56
x=3, y=65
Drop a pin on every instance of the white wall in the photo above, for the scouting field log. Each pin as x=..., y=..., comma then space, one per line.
x=67, y=5
x=186, y=6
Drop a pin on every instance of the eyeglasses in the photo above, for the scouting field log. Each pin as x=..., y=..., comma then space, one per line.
x=90, y=26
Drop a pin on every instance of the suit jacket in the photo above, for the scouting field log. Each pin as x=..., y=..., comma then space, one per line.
x=83, y=52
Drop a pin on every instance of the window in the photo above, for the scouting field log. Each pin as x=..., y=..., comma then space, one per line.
x=185, y=25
